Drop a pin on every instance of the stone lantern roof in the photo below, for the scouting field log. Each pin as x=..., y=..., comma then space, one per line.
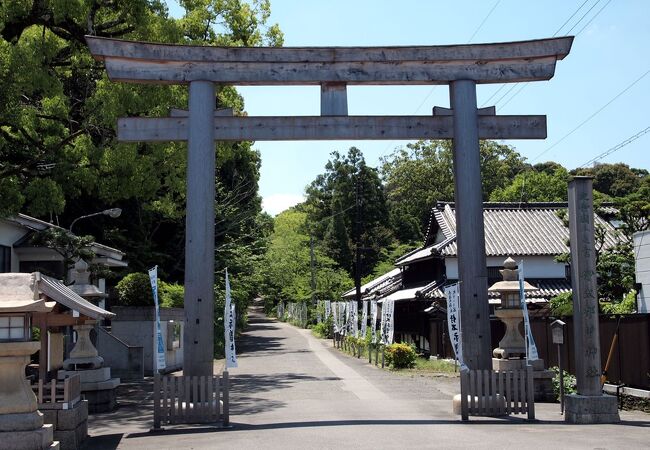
x=19, y=293
x=510, y=281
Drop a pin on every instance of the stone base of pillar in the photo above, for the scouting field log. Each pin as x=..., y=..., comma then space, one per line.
x=97, y=387
x=543, y=385
x=101, y=400
x=21, y=421
x=583, y=409
x=70, y=425
x=497, y=400
x=41, y=438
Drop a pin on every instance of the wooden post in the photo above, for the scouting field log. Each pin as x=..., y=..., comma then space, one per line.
x=530, y=393
x=199, y=237
x=226, y=399
x=156, y=401
x=472, y=266
x=43, y=355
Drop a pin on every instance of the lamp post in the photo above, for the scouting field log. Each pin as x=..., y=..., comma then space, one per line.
x=112, y=213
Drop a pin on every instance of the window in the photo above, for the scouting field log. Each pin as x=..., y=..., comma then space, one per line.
x=13, y=328
x=5, y=259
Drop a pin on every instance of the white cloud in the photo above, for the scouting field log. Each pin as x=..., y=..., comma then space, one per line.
x=276, y=203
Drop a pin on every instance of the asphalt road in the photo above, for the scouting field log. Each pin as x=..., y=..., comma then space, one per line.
x=293, y=391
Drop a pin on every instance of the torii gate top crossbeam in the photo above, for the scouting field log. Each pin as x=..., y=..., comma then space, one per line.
x=509, y=62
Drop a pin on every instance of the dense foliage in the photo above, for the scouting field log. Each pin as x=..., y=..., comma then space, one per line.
x=135, y=290
x=59, y=158
x=401, y=356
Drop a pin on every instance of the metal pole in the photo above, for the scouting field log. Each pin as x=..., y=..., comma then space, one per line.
x=472, y=266
x=559, y=363
x=199, y=233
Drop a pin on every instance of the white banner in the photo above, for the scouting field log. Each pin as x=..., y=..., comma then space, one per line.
x=364, y=319
x=453, y=320
x=355, y=318
x=328, y=309
x=531, y=348
x=390, y=320
x=159, y=354
x=335, y=317
x=373, y=320
x=382, y=324
x=229, y=321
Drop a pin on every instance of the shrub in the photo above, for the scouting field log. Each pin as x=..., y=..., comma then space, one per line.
x=625, y=306
x=135, y=290
x=323, y=329
x=569, y=382
x=401, y=356
x=172, y=295
x=562, y=304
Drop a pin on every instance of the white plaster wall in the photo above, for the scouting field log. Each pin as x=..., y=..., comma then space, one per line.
x=10, y=233
x=534, y=266
x=642, y=262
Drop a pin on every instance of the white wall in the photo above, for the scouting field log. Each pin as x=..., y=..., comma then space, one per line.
x=534, y=266
x=10, y=233
x=642, y=263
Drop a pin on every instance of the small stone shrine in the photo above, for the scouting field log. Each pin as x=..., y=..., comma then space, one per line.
x=511, y=353
x=21, y=424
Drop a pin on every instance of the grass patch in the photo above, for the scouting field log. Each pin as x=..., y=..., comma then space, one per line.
x=434, y=366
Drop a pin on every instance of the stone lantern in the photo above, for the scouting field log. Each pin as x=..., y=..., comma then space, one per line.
x=21, y=424
x=511, y=352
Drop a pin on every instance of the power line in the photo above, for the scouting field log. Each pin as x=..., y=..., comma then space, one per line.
x=516, y=84
x=571, y=17
x=592, y=19
x=617, y=147
x=583, y=16
x=483, y=21
x=627, y=88
x=485, y=103
x=426, y=98
x=523, y=86
x=567, y=33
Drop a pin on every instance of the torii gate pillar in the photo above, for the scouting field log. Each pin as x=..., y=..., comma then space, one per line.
x=472, y=266
x=199, y=238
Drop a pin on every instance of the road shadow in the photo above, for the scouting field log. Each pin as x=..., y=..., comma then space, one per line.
x=244, y=389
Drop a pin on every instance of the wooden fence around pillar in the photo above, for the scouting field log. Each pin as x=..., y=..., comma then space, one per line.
x=58, y=394
x=191, y=400
x=497, y=393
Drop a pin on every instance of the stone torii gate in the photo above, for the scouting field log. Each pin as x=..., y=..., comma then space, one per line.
x=462, y=67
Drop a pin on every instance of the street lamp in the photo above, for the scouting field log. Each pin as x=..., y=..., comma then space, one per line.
x=112, y=213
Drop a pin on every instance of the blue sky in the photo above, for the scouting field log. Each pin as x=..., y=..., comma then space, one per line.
x=610, y=53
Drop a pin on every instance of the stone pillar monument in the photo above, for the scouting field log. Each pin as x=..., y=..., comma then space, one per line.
x=589, y=405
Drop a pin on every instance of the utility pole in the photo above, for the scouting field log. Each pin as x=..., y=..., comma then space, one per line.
x=357, y=238
x=312, y=264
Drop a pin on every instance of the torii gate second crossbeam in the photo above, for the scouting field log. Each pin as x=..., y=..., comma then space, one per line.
x=333, y=68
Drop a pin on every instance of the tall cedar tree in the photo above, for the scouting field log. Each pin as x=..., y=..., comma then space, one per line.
x=343, y=177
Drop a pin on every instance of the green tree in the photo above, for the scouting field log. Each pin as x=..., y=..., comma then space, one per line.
x=70, y=246
x=286, y=266
x=533, y=186
x=332, y=202
x=421, y=174
x=614, y=180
